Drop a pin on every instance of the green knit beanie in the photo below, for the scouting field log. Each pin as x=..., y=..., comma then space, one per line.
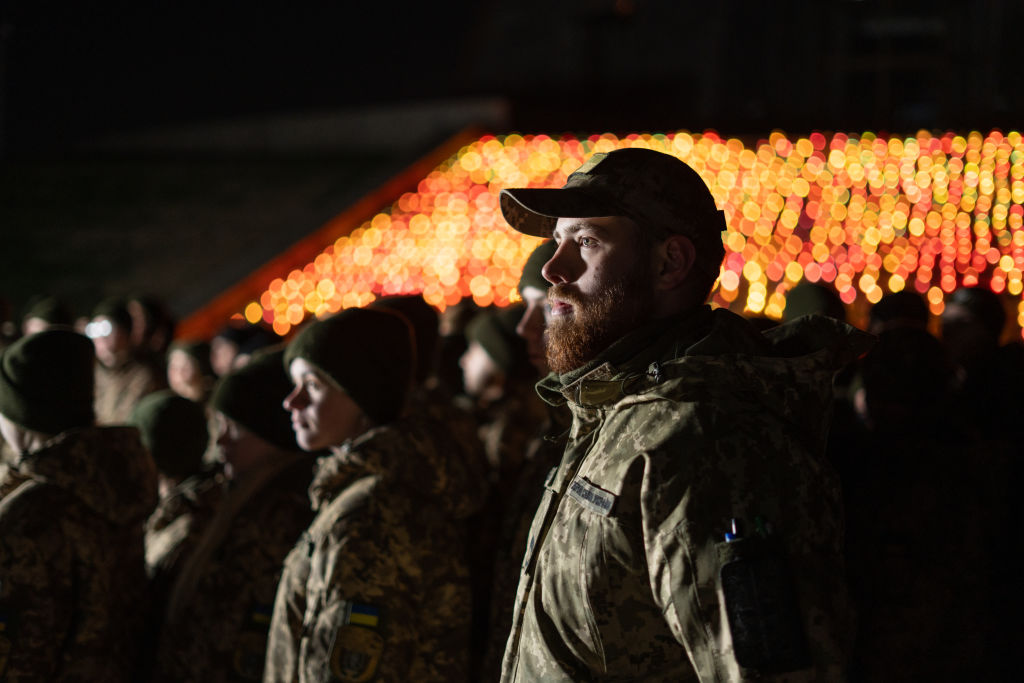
x=368, y=353
x=46, y=381
x=51, y=309
x=495, y=330
x=174, y=430
x=252, y=396
x=531, y=276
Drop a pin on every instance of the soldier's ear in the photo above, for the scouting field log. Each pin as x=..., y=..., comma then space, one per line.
x=675, y=257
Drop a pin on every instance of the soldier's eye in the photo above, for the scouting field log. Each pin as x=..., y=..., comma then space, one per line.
x=587, y=242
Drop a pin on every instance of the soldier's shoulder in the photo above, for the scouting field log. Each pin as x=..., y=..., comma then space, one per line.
x=33, y=507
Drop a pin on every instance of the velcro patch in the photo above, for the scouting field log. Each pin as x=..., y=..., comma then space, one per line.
x=363, y=615
x=356, y=653
x=591, y=496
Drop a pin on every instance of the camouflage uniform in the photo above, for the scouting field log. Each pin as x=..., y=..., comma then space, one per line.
x=378, y=585
x=119, y=390
x=72, y=576
x=678, y=428
x=177, y=524
x=219, y=607
x=521, y=501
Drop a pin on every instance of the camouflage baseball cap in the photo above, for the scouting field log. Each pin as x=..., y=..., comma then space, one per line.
x=657, y=190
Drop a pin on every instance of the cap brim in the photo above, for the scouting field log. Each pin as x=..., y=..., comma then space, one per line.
x=534, y=211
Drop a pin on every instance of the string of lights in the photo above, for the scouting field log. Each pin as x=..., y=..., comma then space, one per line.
x=865, y=213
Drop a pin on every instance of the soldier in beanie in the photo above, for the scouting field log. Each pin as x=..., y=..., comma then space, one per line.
x=541, y=452
x=218, y=610
x=72, y=575
x=377, y=586
x=174, y=431
x=123, y=374
x=692, y=530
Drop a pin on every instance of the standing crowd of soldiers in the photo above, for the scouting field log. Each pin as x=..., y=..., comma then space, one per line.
x=665, y=503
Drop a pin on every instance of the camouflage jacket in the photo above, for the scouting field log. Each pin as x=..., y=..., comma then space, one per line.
x=177, y=524
x=377, y=588
x=219, y=606
x=520, y=503
x=72, y=575
x=679, y=428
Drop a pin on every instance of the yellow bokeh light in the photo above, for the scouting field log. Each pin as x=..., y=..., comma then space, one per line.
x=870, y=214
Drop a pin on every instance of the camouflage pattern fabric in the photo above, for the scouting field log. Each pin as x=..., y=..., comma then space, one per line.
x=119, y=390
x=72, y=575
x=679, y=428
x=176, y=525
x=524, y=495
x=378, y=588
x=216, y=626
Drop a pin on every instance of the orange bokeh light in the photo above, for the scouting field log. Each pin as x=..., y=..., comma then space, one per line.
x=869, y=214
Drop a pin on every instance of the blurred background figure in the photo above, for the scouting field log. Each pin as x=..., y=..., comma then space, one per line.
x=992, y=375
x=533, y=289
x=236, y=342
x=123, y=374
x=219, y=606
x=899, y=310
x=174, y=431
x=498, y=378
x=72, y=571
x=189, y=372
x=152, y=326
x=44, y=313
x=812, y=297
x=522, y=495
x=452, y=344
x=920, y=537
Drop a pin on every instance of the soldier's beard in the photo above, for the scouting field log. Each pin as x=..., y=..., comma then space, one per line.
x=597, y=320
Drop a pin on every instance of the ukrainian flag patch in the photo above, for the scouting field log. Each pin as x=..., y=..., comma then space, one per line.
x=363, y=615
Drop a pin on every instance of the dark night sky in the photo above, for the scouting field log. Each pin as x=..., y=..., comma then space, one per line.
x=78, y=69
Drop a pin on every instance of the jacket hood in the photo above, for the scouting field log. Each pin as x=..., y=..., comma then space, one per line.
x=718, y=356
x=415, y=455
x=106, y=468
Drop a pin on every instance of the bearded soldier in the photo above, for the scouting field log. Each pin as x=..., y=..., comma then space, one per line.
x=692, y=531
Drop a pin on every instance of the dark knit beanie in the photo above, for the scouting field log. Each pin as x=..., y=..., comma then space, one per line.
x=51, y=309
x=985, y=305
x=174, y=430
x=425, y=323
x=811, y=297
x=495, y=330
x=252, y=396
x=368, y=353
x=531, y=276
x=46, y=381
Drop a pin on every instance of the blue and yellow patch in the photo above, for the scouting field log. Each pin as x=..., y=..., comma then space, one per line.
x=358, y=645
x=363, y=615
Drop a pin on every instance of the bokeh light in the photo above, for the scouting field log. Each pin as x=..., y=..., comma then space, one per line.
x=864, y=213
